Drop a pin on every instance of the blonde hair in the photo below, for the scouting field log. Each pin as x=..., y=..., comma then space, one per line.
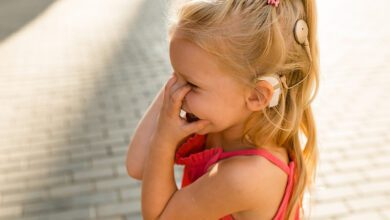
x=250, y=38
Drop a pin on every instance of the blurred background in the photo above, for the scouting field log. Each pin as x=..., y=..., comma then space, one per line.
x=76, y=77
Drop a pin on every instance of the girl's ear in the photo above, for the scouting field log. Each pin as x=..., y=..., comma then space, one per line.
x=260, y=96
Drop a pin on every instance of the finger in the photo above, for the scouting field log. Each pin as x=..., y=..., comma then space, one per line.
x=177, y=100
x=195, y=126
x=170, y=82
x=168, y=87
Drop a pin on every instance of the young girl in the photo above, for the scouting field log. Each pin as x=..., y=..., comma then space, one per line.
x=244, y=71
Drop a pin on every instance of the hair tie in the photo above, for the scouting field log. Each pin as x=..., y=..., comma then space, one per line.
x=274, y=3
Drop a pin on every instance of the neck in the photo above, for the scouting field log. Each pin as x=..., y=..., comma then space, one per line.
x=229, y=140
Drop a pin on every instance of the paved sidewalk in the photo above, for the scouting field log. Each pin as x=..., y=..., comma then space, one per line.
x=76, y=76
x=352, y=111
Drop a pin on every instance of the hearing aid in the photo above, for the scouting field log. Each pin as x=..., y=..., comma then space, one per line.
x=301, y=32
x=273, y=80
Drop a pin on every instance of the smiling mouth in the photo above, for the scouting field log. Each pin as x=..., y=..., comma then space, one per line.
x=189, y=116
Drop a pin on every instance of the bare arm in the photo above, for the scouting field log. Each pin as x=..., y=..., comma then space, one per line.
x=140, y=141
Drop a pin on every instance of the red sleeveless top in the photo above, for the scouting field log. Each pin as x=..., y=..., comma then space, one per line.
x=197, y=160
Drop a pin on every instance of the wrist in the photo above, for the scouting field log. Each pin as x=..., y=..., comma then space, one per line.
x=161, y=153
x=162, y=145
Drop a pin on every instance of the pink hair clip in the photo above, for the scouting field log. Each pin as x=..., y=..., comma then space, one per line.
x=273, y=2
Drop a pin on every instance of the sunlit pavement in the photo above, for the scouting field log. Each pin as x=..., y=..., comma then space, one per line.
x=76, y=76
x=352, y=111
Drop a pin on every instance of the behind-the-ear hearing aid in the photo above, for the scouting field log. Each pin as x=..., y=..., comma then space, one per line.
x=301, y=32
x=273, y=80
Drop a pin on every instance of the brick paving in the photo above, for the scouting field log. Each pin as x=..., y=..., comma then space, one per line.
x=76, y=76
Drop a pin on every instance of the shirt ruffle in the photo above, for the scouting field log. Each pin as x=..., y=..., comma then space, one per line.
x=196, y=158
x=193, y=152
x=192, y=145
x=199, y=158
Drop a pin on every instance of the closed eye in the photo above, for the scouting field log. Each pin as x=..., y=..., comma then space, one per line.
x=192, y=85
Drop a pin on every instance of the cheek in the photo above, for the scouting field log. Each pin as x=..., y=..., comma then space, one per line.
x=230, y=109
x=199, y=104
x=193, y=101
x=221, y=112
x=204, y=102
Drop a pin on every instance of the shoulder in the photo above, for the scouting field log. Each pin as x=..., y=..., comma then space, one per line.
x=233, y=185
x=254, y=171
x=256, y=177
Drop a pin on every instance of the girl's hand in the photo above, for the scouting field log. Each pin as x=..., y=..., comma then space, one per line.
x=171, y=128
